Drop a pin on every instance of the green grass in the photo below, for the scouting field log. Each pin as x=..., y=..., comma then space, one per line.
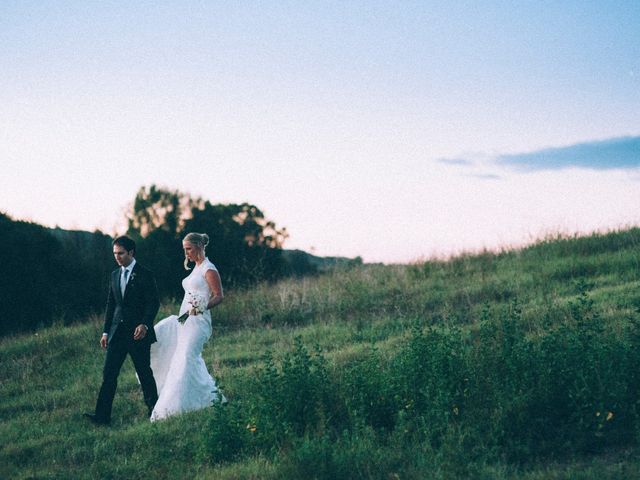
x=379, y=328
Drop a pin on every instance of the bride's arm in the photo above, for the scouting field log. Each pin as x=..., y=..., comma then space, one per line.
x=215, y=285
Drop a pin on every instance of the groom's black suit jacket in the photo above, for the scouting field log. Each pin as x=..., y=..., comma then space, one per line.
x=139, y=305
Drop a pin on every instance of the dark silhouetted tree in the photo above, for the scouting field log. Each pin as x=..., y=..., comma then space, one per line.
x=50, y=274
x=159, y=209
x=245, y=246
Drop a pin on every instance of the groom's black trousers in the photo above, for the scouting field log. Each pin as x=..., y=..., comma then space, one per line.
x=119, y=346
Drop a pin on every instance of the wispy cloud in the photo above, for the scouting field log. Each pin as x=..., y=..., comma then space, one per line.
x=455, y=161
x=485, y=176
x=608, y=154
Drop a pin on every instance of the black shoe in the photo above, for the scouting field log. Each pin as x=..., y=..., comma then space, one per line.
x=95, y=420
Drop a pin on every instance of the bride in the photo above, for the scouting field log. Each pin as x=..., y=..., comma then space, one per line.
x=181, y=375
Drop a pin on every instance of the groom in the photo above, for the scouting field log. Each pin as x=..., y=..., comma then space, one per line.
x=132, y=306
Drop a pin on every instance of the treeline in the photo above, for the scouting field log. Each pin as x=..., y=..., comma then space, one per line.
x=46, y=278
x=54, y=274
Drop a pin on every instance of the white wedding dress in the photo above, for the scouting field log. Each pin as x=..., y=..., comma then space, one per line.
x=183, y=382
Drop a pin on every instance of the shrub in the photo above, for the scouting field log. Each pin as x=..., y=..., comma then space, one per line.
x=463, y=398
x=227, y=438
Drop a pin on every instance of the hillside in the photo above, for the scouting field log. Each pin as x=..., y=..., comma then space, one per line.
x=70, y=268
x=86, y=244
x=518, y=364
x=94, y=247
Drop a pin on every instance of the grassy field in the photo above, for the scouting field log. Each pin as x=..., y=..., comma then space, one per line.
x=519, y=364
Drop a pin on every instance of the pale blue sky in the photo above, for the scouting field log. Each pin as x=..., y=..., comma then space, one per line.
x=339, y=119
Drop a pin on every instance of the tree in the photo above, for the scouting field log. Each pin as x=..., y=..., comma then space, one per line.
x=245, y=246
x=159, y=208
x=243, y=243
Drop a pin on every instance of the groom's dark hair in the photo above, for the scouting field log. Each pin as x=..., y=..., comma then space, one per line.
x=126, y=243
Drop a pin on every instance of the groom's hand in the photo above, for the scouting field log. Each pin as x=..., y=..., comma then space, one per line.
x=103, y=341
x=140, y=332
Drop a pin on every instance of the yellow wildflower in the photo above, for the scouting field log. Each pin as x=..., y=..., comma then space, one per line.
x=609, y=416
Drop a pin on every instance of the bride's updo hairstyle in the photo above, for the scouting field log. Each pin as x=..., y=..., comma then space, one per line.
x=198, y=240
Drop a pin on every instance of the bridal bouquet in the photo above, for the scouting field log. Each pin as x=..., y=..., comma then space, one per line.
x=196, y=301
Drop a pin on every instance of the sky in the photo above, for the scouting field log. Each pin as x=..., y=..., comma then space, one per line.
x=394, y=131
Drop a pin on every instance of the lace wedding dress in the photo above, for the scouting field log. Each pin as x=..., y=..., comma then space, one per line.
x=183, y=382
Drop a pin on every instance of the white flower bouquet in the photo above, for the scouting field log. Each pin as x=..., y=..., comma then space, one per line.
x=197, y=302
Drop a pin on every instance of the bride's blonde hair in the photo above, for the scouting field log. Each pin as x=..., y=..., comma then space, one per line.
x=198, y=240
